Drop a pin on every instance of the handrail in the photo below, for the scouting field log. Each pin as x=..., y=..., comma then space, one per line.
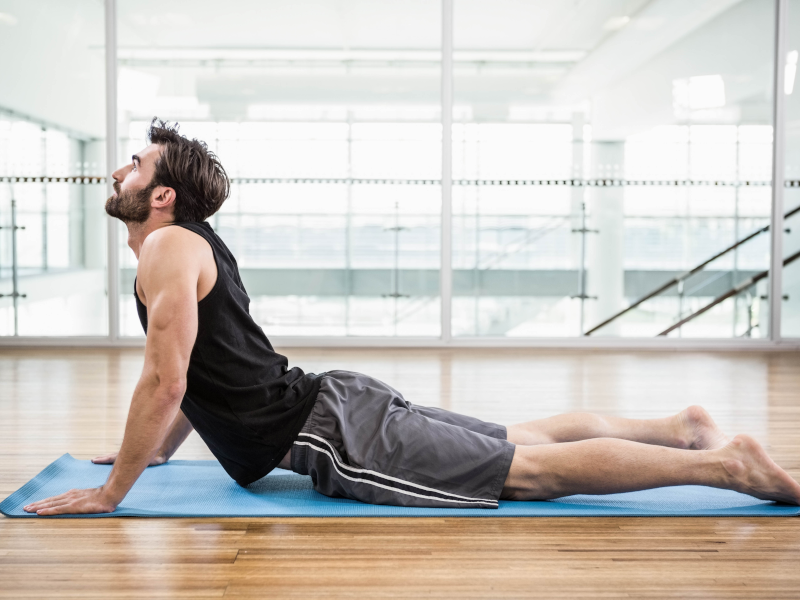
x=682, y=276
x=731, y=292
x=530, y=237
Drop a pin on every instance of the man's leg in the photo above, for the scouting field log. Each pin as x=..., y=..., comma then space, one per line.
x=606, y=466
x=692, y=429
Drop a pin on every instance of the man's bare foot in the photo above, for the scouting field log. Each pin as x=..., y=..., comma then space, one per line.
x=698, y=431
x=751, y=471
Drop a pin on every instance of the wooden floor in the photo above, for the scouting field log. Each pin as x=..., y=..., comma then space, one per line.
x=56, y=401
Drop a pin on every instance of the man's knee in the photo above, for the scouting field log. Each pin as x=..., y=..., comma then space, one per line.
x=526, y=434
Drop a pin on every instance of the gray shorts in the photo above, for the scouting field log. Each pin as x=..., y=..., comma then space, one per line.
x=363, y=441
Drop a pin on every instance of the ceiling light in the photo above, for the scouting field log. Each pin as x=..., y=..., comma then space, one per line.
x=616, y=23
x=136, y=54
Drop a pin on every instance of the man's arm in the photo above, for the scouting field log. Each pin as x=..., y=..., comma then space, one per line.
x=169, y=269
x=178, y=432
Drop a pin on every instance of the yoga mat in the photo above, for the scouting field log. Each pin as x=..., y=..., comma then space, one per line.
x=199, y=488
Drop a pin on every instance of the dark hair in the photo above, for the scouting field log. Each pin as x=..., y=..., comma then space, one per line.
x=188, y=167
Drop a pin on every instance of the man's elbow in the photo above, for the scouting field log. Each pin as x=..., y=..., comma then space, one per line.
x=171, y=389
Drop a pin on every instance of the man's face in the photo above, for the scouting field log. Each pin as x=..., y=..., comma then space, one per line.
x=133, y=187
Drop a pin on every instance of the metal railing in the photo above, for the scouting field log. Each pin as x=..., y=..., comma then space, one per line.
x=683, y=276
x=491, y=262
x=15, y=294
x=750, y=281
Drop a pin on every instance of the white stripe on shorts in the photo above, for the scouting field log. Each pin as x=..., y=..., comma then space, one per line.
x=387, y=487
x=333, y=455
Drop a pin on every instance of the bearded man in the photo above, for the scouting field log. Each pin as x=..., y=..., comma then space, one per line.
x=208, y=366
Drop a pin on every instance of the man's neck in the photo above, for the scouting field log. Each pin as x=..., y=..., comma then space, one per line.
x=138, y=232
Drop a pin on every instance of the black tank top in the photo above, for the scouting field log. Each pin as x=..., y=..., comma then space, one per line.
x=241, y=397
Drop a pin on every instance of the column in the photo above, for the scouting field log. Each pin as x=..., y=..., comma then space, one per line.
x=605, y=256
x=94, y=220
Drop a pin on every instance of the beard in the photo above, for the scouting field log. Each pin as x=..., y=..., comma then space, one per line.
x=130, y=206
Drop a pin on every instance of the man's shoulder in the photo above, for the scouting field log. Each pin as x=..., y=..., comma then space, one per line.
x=175, y=246
x=171, y=237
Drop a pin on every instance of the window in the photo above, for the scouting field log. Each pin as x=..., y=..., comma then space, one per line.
x=611, y=164
x=52, y=165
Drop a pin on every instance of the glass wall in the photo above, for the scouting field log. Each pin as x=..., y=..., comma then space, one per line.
x=52, y=167
x=327, y=117
x=611, y=162
x=790, y=313
x=602, y=151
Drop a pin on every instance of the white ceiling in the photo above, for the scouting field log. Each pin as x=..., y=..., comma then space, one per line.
x=565, y=54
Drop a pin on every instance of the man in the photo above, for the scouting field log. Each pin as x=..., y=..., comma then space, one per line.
x=208, y=366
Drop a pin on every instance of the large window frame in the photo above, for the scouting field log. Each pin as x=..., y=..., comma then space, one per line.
x=446, y=339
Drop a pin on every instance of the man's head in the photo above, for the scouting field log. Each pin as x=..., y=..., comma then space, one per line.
x=176, y=176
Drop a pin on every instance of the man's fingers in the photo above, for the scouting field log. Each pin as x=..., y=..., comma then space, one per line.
x=55, y=510
x=74, y=502
x=51, y=503
x=106, y=459
x=33, y=506
x=43, y=504
x=72, y=507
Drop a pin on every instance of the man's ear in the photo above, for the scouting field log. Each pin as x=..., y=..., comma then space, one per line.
x=163, y=197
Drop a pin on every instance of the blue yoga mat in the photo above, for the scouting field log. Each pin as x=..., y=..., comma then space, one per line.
x=200, y=488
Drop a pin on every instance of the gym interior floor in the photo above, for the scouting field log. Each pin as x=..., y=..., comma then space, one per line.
x=54, y=401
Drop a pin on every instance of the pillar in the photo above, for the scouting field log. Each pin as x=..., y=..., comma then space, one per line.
x=605, y=256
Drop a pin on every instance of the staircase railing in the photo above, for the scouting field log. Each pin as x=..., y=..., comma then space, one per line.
x=676, y=280
x=731, y=292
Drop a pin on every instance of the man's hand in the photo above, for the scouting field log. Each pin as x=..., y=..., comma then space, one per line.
x=108, y=459
x=179, y=431
x=94, y=500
